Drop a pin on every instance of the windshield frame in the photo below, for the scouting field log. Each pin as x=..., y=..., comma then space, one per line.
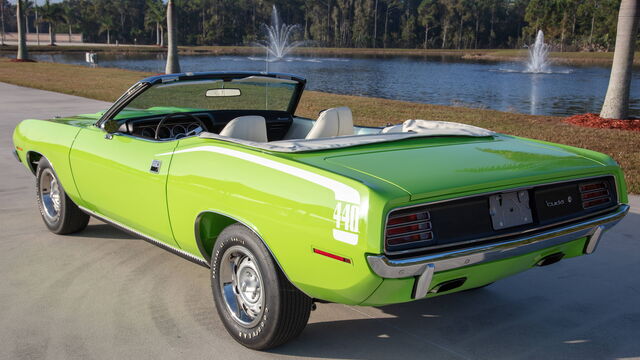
x=145, y=84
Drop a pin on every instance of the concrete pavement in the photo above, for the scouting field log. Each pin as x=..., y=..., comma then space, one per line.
x=103, y=294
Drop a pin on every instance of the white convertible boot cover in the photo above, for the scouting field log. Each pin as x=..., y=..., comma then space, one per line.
x=437, y=128
x=409, y=129
x=332, y=122
x=252, y=128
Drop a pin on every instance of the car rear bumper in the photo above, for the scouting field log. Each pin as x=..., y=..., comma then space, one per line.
x=424, y=267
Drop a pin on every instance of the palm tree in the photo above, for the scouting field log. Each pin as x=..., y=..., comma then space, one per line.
x=155, y=16
x=616, y=102
x=173, y=65
x=51, y=13
x=106, y=24
x=68, y=15
x=23, y=54
x=2, y=22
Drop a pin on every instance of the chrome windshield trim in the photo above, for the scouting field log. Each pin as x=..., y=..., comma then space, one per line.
x=527, y=187
x=455, y=259
x=122, y=101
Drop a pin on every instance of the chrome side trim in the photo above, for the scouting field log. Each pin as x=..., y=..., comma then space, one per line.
x=455, y=259
x=528, y=187
x=165, y=246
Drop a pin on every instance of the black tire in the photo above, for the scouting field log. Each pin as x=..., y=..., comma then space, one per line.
x=62, y=215
x=284, y=309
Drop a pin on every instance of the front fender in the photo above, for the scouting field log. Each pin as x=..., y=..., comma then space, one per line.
x=53, y=141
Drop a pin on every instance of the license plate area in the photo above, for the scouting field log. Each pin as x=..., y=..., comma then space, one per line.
x=510, y=209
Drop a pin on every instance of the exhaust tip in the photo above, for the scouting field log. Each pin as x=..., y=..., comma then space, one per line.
x=550, y=259
x=448, y=285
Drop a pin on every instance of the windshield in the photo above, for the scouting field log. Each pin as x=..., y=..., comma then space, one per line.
x=248, y=93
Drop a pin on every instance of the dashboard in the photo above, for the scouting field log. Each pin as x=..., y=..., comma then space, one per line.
x=181, y=126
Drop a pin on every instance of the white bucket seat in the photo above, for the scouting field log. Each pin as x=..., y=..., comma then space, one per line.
x=332, y=122
x=251, y=128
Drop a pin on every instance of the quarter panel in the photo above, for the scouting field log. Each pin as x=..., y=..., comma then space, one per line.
x=292, y=214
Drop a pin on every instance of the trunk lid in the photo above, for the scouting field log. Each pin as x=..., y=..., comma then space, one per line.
x=451, y=165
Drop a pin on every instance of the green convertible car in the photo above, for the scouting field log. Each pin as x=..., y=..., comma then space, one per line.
x=287, y=211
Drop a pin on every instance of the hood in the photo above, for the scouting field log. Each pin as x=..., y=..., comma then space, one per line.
x=451, y=165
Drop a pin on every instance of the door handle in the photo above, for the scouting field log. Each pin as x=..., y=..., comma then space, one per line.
x=155, y=166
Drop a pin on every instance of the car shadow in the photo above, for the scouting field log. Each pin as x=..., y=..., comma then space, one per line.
x=104, y=231
x=580, y=308
x=420, y=329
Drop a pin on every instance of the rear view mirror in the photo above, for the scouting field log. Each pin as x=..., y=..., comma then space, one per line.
x=222, y=92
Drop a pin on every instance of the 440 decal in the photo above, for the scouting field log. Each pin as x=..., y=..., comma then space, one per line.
x=347, y=218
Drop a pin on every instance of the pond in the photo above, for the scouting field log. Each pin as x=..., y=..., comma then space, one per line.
x=444, y=80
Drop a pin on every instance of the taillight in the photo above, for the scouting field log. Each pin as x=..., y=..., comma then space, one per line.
x=594, y=193
x=408, y=229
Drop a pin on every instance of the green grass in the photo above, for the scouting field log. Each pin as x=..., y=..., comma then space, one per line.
x=108, y=84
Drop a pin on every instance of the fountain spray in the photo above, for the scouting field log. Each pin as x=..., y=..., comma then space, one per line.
x=538, y=54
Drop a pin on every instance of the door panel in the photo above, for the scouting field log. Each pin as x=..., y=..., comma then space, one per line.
x=115, y=178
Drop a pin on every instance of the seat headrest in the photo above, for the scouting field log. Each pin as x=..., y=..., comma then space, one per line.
x=251, y=128
x=332, y=122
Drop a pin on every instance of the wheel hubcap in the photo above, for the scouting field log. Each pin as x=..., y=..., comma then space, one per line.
x=50, y=195
x=241, y=286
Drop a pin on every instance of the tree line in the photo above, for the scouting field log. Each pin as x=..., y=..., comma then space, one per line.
x=440, y=24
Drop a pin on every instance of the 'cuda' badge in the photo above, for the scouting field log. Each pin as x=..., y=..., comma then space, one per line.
x=559, y=202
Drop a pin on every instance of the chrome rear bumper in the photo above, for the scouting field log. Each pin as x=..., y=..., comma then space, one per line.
x=425, y=266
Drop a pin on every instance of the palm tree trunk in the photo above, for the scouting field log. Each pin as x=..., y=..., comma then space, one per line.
x=161, y=36
x=460, y=32
x=593, y=19
x=386, y=23
x=475, y=36
x=2, y=22
x=426, y=35
x=328, y=20
x=108, y=37
x=173, y=65
x=616, y=102
x=375, y=23
x=444, y=33
x=564, y=18
x=52, y=35
x=37, y=26
x=22, y=37
x=157, y=33
x=69, y=25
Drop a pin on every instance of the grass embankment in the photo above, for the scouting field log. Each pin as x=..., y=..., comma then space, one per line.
x=570, y=58
x=108, y=84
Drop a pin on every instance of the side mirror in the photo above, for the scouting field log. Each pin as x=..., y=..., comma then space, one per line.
x=111, y=126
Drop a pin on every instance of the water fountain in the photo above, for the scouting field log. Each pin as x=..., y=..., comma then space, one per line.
x=538, y=54
x=278, y=36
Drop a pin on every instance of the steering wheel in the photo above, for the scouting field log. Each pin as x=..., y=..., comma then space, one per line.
x=169, y=116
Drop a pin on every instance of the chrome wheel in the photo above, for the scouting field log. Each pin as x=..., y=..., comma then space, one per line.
x=49, y=195
x=242, y=287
